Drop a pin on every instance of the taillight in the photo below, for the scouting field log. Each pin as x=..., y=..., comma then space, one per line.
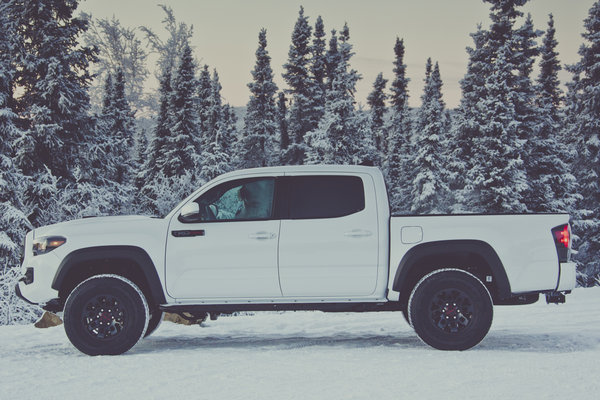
x=562, y=240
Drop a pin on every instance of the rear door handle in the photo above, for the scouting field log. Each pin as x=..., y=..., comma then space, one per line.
x=357, y=233
x=262, y=235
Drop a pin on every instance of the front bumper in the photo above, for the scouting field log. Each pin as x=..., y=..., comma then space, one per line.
x=20, y=295
x=38, y=273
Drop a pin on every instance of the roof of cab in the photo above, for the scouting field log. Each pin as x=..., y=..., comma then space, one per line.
x=322, y=168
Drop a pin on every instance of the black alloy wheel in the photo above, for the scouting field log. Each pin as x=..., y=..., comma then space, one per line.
x=105, y=315
x=450, y=309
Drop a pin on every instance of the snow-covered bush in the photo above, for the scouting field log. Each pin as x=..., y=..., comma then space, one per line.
x=13, y=310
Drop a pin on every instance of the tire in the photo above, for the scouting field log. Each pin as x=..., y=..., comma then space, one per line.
x=156, y=317
x=406, y=316
x=450, y=309
x=105, y=315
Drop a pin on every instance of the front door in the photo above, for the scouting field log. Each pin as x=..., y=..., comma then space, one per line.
x=229, y=248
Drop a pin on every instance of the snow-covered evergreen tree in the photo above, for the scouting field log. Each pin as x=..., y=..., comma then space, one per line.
x=376, y=101
x=468, y=120
x=552, y=185
x=257, y=144
x=493, y=122
x=496, y=180
x=318, y=69
x=13, y=219
x=284, y=138
x=140, y=154
x=205, y=94
x=121, y=132
x=156, y=161
x=219, y=134
x=397, y=143
x=181, y=154
x=297, y=76
x=215, y=110
x=430, y=187
x=228, y=131
x=54, y=77
x=337, y=140
x=584, y=126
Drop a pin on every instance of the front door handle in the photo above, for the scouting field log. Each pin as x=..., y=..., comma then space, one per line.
x=262, y=235
x=357, y=233
x=188, y=233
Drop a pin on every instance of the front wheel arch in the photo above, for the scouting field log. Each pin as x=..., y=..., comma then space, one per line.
x=131, y=262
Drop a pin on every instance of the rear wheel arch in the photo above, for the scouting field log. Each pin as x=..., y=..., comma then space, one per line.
x=474, y=256
x=130, y=262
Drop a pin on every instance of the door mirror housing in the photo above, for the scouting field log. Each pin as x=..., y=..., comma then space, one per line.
x=190, y=212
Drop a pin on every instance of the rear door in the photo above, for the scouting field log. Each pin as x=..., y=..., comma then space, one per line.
x=328, y=244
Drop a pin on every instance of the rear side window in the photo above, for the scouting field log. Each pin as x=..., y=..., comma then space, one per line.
x=325, y=196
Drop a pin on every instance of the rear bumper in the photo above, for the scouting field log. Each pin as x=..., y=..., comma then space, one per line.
x=566, y=279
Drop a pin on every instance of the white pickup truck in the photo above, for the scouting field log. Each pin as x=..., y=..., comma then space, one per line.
x=293, y=238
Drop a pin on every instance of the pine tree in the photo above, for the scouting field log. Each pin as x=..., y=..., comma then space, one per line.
x=488, y=168
x=13, y=221
x=216, y=154
x=156, y=159
x=182, y=155
x=53, y=74
x=430, y=189
x=318, y=69
x=284, y=138
x=397, y=142
x=228, y=130
x=121, y=132
x=528, y=114
x=216, y=108
x=496, y=181
x=205, y=94
x=337, y=139
x=376, y=101
x=584, y=126
x=552, y=186
x=256, y=147
x=140, y=151
x=297, y=77
x=468, y=119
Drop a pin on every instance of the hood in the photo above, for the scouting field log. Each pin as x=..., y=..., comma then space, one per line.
x=90, y=224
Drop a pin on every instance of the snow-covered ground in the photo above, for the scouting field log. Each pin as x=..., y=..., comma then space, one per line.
x=532, y=352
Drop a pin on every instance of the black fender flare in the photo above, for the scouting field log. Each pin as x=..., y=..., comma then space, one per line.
x=477, y=247
x=132, y=253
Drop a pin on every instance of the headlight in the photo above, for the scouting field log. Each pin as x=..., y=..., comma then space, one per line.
x=45, y=245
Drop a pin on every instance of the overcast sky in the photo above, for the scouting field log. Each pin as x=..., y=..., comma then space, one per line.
x=226, y=34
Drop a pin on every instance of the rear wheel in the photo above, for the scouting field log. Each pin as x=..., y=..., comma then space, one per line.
x=450, y=309
x=105, y=315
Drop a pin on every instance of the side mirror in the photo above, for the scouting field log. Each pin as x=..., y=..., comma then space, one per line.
x=189, y=212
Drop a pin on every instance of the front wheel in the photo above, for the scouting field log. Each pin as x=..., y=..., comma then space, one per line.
x=105, y=315
x=156, y=317
x=450, y=309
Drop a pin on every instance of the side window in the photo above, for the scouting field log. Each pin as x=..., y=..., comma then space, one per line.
x=239, y=200
x=325, y=196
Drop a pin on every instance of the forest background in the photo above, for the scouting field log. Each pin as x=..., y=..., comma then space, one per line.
x=80, y=134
